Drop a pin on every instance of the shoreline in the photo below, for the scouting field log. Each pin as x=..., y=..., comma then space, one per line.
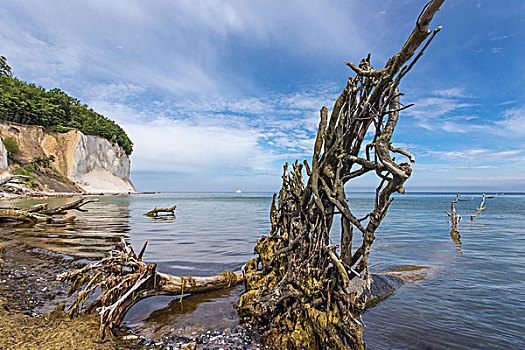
x=6, y=196
x=32, y=308
x=32, y=300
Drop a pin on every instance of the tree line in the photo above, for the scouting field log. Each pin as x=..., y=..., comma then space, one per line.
x=27, y=103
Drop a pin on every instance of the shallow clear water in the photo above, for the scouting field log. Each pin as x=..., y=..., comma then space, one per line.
x=474, y=298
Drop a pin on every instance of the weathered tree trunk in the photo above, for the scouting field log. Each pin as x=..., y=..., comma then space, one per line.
x=300, y=289
x=41, y=213
x=155, y=212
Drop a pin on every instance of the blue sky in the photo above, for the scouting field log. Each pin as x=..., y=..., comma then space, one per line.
x=217, y=95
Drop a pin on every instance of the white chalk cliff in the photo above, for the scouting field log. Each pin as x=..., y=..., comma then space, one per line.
x=93, y=163
x=99, y=166
x=3, y=156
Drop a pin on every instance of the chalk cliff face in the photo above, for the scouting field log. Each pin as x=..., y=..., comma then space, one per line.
x=3, y=156
x=99, y=166
x=91, y=162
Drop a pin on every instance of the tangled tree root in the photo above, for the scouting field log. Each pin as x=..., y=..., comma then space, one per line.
x=125, y=280
x=302, y=290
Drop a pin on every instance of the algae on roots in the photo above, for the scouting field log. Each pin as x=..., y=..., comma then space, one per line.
x=302, y=290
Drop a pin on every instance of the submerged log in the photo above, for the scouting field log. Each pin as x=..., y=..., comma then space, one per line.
x=155, y=212
x=125, y=279
x=41, y=213
x=76, y=205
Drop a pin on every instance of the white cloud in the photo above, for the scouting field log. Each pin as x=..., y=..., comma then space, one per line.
x=202, y=135
x=446, y=110
x=513, y=123
x=183, y=47
x=174, y=145
x=455, y=92
x=475, y=155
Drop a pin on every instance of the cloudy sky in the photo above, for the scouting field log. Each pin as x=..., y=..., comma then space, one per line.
x=217, y=95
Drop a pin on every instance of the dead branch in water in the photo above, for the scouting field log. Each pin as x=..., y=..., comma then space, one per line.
x=41, y=213
x=481, y=206
x=76, y=205
x=155, y=212
x=125, y=279
x=455, y=218
x=494, y=195
x=479, y=209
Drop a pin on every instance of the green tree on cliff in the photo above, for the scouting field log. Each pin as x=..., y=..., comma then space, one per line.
x=5, y=70
x=26, y=103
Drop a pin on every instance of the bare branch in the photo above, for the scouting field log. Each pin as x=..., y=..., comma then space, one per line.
x=479, y=209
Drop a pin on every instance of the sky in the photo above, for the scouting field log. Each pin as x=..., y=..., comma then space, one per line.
x=217, y=95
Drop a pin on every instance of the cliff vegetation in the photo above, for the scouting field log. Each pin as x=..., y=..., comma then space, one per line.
x=27, y=103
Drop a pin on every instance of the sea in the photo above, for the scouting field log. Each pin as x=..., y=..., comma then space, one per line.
x=473, y=297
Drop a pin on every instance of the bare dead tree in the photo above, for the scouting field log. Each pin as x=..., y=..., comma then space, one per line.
x=300, y=289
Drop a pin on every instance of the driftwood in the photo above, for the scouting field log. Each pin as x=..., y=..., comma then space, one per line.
x=14, y=184
x=455, y=218
x=481, y=205
x=14, y=179
x=41, y=212
x=301, y=290
x=478, y=209
x=125, y=279
x=155, y=212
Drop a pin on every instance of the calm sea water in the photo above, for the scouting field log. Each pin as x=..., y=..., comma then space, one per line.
x=473, y=299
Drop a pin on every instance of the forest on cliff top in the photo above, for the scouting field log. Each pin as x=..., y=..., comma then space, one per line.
x=56, y=111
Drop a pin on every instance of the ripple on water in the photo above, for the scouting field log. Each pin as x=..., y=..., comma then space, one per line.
x=472, y=300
